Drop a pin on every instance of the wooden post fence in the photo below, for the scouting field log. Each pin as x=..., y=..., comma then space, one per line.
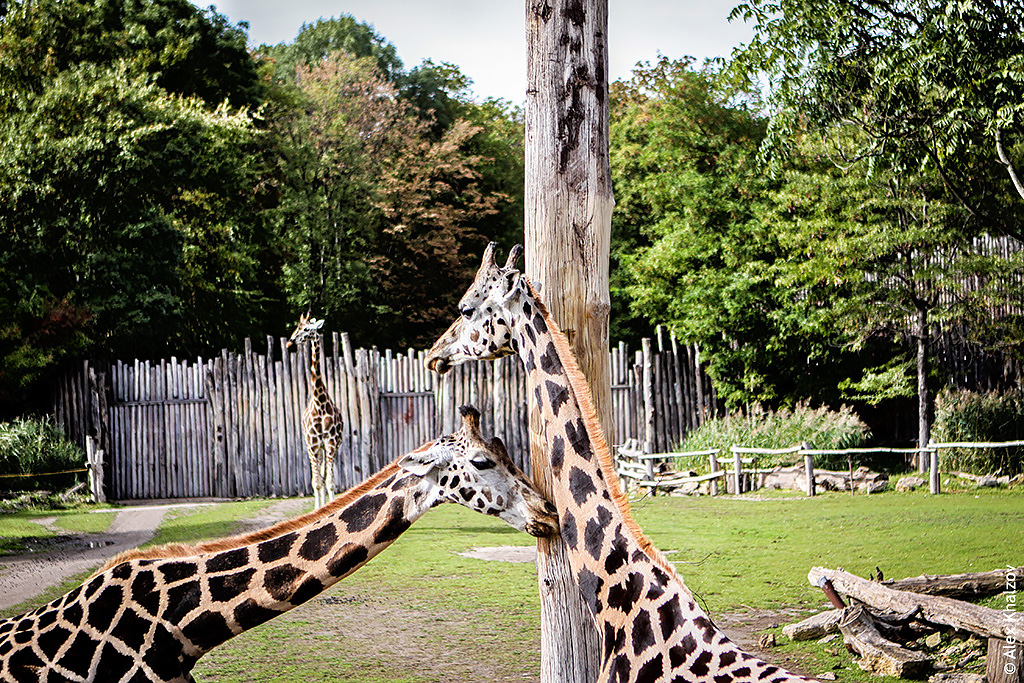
x=229, y=426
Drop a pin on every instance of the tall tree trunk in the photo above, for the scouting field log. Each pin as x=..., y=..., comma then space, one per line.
x=568, y=229
x=924, y=401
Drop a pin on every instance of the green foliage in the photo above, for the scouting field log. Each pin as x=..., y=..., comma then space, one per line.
x=188, y=51
x=163, y=192
x=383, y=214
x=33, y=446
x=130, y=186
x=121, y=199
x=695, y=245
x=822, y=428
x=316, y=42
x=967, y=416
x=933, y=84
x=881, y=384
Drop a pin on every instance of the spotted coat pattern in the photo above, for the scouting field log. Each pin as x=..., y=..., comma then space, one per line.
x=151, y=614
x=321, y=419
x=651, y=627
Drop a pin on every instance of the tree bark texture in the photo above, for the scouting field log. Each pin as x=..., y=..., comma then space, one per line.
x=568, y=229
x=984, y=621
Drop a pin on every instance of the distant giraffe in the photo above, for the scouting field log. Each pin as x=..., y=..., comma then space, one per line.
x=321, y=420
x=651, y=627
x=150, y=614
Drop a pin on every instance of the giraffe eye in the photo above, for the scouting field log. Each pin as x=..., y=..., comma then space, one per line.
x=466, y=311
x=482, y=463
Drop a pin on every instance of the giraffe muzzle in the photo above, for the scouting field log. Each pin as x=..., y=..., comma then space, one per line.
x=544, y=522
x=438, y=365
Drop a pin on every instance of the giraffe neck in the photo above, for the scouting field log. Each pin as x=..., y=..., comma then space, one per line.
x=651, y=626
x=316, y=367
x=253, y=583
x=152, y=615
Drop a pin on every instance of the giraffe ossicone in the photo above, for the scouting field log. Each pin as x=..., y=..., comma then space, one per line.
x=150, y=614
x=321, y=419
x=651, y=627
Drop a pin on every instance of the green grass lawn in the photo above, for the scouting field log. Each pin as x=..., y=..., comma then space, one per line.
x=421, y=613
x=421, y=598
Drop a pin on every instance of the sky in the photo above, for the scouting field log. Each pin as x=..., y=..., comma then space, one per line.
x=486, y=38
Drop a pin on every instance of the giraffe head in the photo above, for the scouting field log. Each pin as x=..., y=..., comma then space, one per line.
x=467, y=469
x=308, y=327
x=483, y=330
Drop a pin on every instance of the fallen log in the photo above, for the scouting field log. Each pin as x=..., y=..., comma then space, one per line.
x=972, y=585
x=814, y=627
x=878, y=655
x=935, y=609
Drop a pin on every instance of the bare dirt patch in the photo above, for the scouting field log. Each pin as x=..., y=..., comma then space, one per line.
x=504, y=553
x=746, y=628
x=447, y=646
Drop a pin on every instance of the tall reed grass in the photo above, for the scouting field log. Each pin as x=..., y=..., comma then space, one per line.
x=821, y=428
x=36, y=446
x=972, y=416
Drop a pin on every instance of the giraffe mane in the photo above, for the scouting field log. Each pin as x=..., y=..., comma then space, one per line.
x=581, y=388
x=172, y=550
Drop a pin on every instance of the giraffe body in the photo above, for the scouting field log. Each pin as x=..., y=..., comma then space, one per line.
x=321, y=419
x=150, y=614
x=651, y=627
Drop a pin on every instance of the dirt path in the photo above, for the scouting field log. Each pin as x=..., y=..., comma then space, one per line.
x=25, y=576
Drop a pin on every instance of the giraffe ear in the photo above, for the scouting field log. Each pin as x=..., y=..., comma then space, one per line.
x=514, y=281
x=316, y=324
x=421, y=462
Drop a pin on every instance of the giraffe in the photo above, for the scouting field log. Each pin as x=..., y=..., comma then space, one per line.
x=321, y=420
x=650, y=626
x=150, y=614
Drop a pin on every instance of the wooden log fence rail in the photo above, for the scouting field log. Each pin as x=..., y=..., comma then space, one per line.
x=653, y=471
x=230, y=426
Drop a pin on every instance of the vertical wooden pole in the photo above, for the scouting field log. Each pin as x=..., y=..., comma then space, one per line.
x=923, y=397
x=809, y=467
x=737, y=464
x=933, y=470
x=648, y=388
x=568, y=229
x=713, y=460
x=1003, y=661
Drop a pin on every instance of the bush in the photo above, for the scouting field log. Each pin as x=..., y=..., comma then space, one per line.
x=822, y=428
x=37, y=446
x=971, y=416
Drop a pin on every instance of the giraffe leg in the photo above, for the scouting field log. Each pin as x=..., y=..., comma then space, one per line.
x=331, y=452
x=315, y=477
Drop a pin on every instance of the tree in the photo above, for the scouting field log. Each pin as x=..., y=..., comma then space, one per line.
x=933, y=91
x=887, y=257
x=320, y=40
x=695, y=248
x=936, y=83
x=129, y=214
x=381, y=214
x=568, y=224
x=188, y=51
